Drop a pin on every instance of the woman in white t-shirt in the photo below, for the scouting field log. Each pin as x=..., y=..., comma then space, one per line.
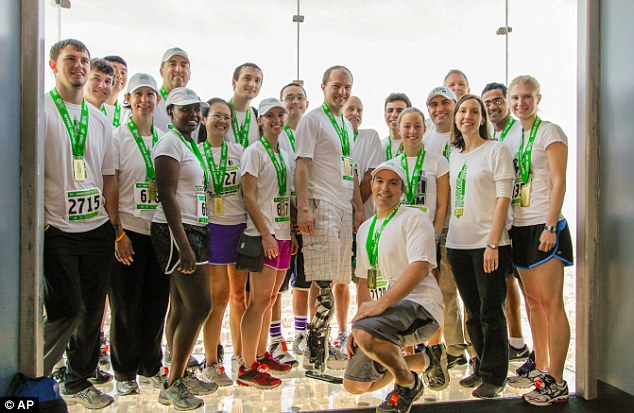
x=542, y=245
x=139, y=290
x=266, y=184
x=227, y=220
x=181, y=240
x=478, y=244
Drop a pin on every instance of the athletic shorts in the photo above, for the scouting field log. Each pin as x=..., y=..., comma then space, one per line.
x=283, y=259
x=166, y=248
x=223, y=240
x=328, y=252
x=298, y=277
x=526, y=253
x=404, y=324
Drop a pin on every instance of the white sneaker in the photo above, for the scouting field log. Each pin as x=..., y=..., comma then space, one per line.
x=197, y=386
x=127, y=388
x=340, y=344
x=90, y=398
x=525, y=381
x=179, y=396
x=299, y=344
x=279, y=350
x=216, y=374
x=157, y=380
x=236, y=362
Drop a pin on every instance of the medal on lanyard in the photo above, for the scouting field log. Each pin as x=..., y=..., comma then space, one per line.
x=217, y=174
x=150, y=174
x=372, y=247
x=524, y=156
x=412, y=182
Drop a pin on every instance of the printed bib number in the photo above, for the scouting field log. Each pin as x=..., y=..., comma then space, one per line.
x=82, y=205
x=347, y=171
x=377, y=284
x=201, y=204
x=522, y=193
x=230, y=183
x=281, y=208
x=145, y=198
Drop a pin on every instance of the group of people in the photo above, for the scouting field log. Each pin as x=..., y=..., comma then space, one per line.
x=175, y=208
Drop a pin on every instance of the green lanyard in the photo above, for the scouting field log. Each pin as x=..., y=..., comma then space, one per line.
x=291, y=136
x=524, y=154
x=217, y=172
x=194, y=149
x=388, y=149
x=341, y=132
x=163, y=92
x=412, y=183
x=461, y=188
x=240, y=132
x=116, y=120
x=507, y=127
x=77, y=132
x=280, y=166
x=145, y=152
x=356, y=133
x=372, y=242
x=447, y=151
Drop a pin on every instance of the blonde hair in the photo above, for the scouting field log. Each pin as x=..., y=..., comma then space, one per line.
x=525, y=80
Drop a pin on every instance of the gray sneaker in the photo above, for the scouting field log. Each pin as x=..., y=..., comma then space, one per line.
x=216, y=374
x=127, y=388
x=90, y=398
x=299, y=344
x=197, y=386
x=179, y=396
x=157, y=380
x=436, y=375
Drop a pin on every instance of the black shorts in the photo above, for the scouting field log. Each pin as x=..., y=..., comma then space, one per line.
x=526, y=253
x=166, y=248
x=297, y=276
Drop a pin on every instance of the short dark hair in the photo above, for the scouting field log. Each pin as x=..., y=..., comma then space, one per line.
x=292, y=84
x=101, y=65
x=236, y=72
x=57, y=48
x=115, y=59
x=202, y=131
x=493, y=86
x=397, y=97
x=457, y=139
x=331, y=69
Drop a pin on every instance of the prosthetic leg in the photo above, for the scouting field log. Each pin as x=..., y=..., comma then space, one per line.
x=318, y=333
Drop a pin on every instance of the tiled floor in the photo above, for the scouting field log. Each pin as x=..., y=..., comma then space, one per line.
x=297, y=393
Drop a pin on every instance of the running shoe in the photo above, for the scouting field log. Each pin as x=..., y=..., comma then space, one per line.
x=100, y=377
x=279, y=350
x=299, y=344
x=471, y=381
x=436, y=376
x=273, y=365
x=453, y=361
x=127, y=388
x=90, y=397
x=59, y=374
x=197, y=386
x=179, y=396
x=547, y=392
x=487, y=391
x=216, y=373
x=526, y=380
x=401, y=399
x=257, y=377
x=157, y=380
x=528, y=365
x=518, y=354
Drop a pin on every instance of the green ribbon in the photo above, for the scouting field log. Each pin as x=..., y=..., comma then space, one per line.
x=280, y=166
x=524, y=154
x=372, y=242
x=341, y=132
x=145, y=151
x=240, y=132
x=77, y=132
x=217, y=172
x=412, y=182
x=191, y=145
x=291, y=136
x=388, y=149
x=507, y=127
x=116, y=120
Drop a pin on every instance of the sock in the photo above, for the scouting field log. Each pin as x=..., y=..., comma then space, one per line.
x=275, y=331
x=300, y=324
x=517, y=342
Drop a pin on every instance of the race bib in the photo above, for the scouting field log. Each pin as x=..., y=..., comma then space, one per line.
x=145, y=198
x=201, y=204
x=82, y=205
x=522, y=193
x=280, y=209
x=347, y=171
x=378, y=285
x=230, y=183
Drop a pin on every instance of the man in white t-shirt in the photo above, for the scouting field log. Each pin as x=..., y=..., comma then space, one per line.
x=80, y=203
x=400, y=303
x=395, y=103
x=175, y=71
x=99, y=85
x=327, y=190
x=246, y=83
x=112, y=108
x=504, y=125
x=457, y=81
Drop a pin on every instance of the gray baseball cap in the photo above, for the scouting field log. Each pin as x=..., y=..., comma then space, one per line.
x=140, y=80
x=182, y=96
x=441, y=91
x=174, y=51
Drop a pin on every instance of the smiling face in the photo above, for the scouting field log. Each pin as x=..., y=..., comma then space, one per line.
x=496, y=104
x=186, y=118
x=120, y=78
x=248, y=84
x=353, y=111
x=272, y=122
x=387, y=190
x=392, y=111
x=458, y=85
x=441, y=111
x=175, y=72
x=142, y=101
x=71, y=67
x=469, y=117
x=337, y=90
x=295, y=101
x=218, y=120
x=411, y=129
x=98, y=88
x=524, y=100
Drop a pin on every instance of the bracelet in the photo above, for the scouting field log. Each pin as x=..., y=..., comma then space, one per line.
x=492, y=246
x=550, y=228
x=437, y=238
x=120, y=237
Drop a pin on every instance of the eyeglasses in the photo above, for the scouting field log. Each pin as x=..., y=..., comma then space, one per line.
x=496, y=102
x=291, y=98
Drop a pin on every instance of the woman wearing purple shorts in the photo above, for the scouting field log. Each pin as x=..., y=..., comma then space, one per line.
x=227, y=221
x=266, y=181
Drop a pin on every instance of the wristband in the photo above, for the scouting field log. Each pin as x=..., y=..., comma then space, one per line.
x=492, y=246
x=550, y=228
x=120, y=237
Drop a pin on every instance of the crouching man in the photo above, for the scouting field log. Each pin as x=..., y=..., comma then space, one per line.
x=400, y=303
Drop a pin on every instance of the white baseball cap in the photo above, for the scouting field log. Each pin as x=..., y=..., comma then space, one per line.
x=182, y=96
x=174, y=51
x=270, y=103
x=393, y=165
x=441, y=91
x=140, y=80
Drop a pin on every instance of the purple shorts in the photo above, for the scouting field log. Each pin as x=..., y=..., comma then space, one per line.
x=223, y=241
x=283, y=259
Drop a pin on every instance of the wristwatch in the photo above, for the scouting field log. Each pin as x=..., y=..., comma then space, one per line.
x=492, y=246
x=550, y=228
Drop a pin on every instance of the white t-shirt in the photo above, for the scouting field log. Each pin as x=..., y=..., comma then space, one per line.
x=256, y=162
x=407, y=238
x=160, y=116
x=317, y=139
x=254, y=133
x=489, y=176
x=369, y=155
x=233, y=209
x=129, y=161
x=191, y=180
x=396, y=145
x=512, y=141
x=285, y=144
x=541, y=186
x=434, y=166
x=70, y=205
x=438, y=142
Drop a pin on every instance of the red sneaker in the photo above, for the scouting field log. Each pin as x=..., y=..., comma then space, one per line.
x=274, y=366
x=257, y=377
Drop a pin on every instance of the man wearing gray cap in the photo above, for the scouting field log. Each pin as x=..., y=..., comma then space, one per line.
x=400, y=303
x=175, y=71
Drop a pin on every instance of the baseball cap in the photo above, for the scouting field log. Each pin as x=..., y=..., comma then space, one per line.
x=174, y=51
x=270, y=103
x=182, y=96
x=392, y=165
x=441, y=91
x=140, y=80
